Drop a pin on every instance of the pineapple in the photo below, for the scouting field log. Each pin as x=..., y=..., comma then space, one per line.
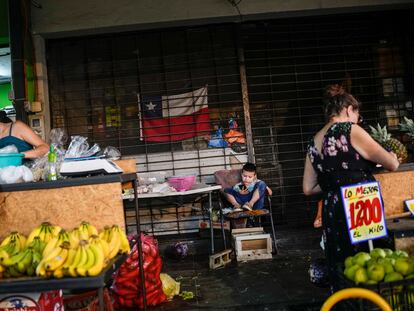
x=407, y=126
x=381, y=135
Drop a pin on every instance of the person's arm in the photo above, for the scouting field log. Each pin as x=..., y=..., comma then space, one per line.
x=310, y=179
x=24, y=132
x=369, y=149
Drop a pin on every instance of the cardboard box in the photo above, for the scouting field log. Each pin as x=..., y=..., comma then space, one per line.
x=45, y=301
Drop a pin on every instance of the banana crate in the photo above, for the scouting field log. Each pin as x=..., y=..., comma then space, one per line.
x=399, y=294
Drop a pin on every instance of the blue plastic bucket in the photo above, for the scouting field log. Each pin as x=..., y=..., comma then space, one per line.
x=11, y=159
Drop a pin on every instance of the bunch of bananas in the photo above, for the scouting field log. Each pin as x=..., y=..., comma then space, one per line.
x=82, y=232
x=87, y=259
x=86, y=254
x=10, y=247
x=54, y=259
x=46, y=231
x=116, y=239
x=50, y=251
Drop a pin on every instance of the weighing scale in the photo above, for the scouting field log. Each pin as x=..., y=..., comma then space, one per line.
x=88, y=166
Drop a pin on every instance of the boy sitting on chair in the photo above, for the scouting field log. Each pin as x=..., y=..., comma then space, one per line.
x=249, y=194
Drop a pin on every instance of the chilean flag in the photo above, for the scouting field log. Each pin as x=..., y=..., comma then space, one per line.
x=175, y=117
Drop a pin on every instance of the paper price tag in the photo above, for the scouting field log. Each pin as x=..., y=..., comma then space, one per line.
x=410, y=205
x=364, y=212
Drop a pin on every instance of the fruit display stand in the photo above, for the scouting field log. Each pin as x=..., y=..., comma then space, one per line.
x=67, y=202
x=396, y=187
x=399, y=294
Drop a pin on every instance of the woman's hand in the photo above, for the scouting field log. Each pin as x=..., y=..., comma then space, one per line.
x=396, y=157
x=370, y=150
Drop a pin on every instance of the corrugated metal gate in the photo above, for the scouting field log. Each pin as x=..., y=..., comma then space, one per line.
x=95, y=83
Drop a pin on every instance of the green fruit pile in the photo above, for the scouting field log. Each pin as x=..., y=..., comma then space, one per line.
x=380, y=265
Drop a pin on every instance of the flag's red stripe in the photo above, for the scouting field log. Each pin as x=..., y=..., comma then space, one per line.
x=177, y=128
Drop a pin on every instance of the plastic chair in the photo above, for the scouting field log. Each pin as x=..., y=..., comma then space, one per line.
x=228, y=178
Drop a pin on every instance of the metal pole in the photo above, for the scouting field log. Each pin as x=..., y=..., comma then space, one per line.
x=210, y=213
x=139, y=245
x=245, y=97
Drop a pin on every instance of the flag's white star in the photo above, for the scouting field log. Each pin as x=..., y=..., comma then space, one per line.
x=150, y=106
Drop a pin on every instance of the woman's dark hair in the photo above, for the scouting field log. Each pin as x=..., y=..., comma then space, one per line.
x=249, y=167
x=4, y=118
x=336, y=99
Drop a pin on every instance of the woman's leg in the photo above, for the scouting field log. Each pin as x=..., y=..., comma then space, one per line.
x=318, y=219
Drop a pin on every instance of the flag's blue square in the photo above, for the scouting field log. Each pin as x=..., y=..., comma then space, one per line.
x=151, y=106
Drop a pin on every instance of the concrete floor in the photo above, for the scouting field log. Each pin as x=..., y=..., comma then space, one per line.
x=281, y=283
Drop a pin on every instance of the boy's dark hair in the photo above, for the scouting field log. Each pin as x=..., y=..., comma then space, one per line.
x=249, y=167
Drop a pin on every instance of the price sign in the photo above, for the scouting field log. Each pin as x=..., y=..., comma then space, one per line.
x=364, y=212
x=410, y=205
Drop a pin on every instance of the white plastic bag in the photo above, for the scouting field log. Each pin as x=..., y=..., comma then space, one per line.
x=15, y=174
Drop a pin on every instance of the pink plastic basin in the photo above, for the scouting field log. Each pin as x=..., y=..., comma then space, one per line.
x=182, y=183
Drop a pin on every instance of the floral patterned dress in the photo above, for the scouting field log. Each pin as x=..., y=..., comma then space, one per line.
x=338, y=164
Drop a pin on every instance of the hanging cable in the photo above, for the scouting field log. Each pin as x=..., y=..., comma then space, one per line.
x=235, y=4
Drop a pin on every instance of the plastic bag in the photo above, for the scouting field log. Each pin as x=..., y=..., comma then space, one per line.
x=217, y=140
x=170, y=287
x=37, y=166
x=112, y=153
x=234, y=136
x=9, y=149
x=58, y=137
x=126, y=287
x=79, y=148
x=15, y=174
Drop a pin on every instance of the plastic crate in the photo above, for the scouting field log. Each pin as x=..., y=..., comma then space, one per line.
x=400, y=294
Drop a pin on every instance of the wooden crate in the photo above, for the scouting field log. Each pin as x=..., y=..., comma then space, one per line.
x=251, y=244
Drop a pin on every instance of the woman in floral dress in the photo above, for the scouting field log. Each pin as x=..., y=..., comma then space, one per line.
x=341, y=153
